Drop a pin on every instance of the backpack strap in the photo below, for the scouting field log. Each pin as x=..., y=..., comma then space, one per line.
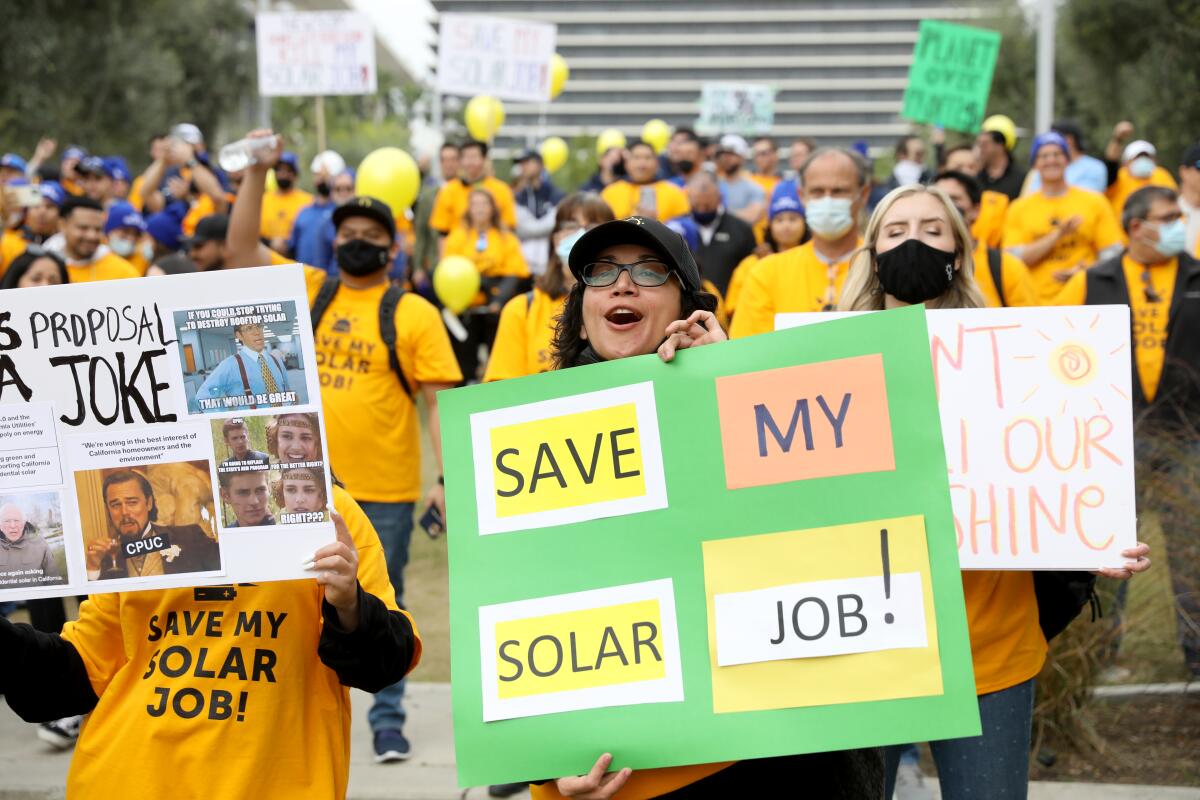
x=245, y=380
x=329, y=288
x=996, y=267
x=387, y=331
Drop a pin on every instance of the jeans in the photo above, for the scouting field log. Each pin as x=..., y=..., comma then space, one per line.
x=394, y=523
x=993, y=766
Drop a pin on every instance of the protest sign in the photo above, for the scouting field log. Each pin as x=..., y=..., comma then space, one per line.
x=642, y=553
x=154, y=434
x=745, y=108
x=951, y=75
x=1038, y=426
x=314, y=53
x=504, y=58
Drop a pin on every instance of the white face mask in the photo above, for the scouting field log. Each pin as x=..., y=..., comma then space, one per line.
x=1141, y=167
x=122, y=247
x=147, y=251
x=564, y=247
x=829, y=217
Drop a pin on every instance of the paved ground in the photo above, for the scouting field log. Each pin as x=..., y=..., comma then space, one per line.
x=31, y=770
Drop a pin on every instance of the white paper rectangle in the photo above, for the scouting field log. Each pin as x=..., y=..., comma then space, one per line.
x=821, y=618
x=1037, y=421
x=668, y=689
x=482, y=423
x=505, y=58
x=313, y=53
x=27, y=426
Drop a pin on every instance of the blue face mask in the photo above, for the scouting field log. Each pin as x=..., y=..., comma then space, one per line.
x=1172, y=238
x=829, y=217
x=564, y=247
x=704, y=217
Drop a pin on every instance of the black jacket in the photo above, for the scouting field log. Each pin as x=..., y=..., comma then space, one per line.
x=197, y=552
x=732, y=241
x=1176, y=404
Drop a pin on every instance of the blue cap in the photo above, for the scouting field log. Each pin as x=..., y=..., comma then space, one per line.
x=94, y=165
x=74, y=151
x=123, y=215
x=15, y=182
x=13, y=161
x=165, y=228
x=1048, y=138
x=289, y=158
x=118, y=169
x=861, y=147
x=785, y=202
x=53, y=191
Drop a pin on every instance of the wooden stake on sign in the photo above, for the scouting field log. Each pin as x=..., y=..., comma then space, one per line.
x=320, y=115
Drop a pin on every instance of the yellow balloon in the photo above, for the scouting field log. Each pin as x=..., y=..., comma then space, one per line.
x=271, y=184
x=656, y=133
x=456, y=282
x=484, y=115
x=554, y=153
x=608, y=139
x=559, y=73
x=389, y=174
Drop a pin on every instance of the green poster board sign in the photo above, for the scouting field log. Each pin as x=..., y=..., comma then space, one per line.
x=951, y=75
x=748, y=552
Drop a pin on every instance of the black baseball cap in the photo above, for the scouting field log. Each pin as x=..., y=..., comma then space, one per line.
x=1191, y=156
x=649, y=233
x=209, y=229
x=527, y=154
x=369, y=207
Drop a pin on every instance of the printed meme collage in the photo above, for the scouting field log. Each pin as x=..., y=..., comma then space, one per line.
x=239, y=474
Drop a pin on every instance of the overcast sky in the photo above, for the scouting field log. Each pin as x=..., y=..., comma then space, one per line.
x=403, y=27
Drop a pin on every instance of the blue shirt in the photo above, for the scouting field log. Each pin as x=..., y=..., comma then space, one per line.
x=740, y=193
x=226, y=380
x=306, y=232
x=1085, y=172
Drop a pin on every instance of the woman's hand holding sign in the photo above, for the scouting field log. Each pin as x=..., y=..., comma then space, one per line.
x=597, y=784
x=336, y=566
x=1140, y=563
x=698, y=329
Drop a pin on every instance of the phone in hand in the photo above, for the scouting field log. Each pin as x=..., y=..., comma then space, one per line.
x=432, y=522
x=648, y=199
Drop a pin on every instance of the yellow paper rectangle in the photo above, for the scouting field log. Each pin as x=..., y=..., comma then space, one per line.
x=819, y=554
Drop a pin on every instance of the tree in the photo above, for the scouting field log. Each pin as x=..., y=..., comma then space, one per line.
x=109, y=73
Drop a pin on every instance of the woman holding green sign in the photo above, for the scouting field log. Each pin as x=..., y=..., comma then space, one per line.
x=917, y=250
x=638, y=292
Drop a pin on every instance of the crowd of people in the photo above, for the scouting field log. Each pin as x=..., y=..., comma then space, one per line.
x=723, y=239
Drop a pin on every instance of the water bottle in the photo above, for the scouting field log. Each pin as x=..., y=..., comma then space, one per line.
x=236, y=156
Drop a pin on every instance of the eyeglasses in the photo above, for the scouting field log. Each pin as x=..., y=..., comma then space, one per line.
x=648, y=273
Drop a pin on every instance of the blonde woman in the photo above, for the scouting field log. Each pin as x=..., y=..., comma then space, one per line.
x=917, y=250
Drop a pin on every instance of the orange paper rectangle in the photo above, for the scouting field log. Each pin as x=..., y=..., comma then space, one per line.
x=808, y=421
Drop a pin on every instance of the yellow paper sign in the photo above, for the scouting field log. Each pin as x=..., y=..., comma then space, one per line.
x=841, y=552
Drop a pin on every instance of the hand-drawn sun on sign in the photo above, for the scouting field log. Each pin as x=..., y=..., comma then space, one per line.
x=1074, y=359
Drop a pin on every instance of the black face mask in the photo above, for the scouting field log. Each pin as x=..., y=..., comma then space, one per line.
x=358, y=257
x=324, y=189
x=685, y=167
x=704, y=217
x=284, y=183
x=913, y=272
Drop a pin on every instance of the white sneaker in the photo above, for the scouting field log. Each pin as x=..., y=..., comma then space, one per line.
x=910, y=783
x=61, y=733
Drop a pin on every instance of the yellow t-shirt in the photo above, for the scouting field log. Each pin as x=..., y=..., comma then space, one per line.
x=450, y=206
x=135, y=192
x=1032, y=217
x=989, y=225
x=194, y=706
x=371, y=423
x=793, y=281
x=1150, y=318
x=201, y=207
x=107, y=268
x=501, y=256
x=279, y=211
x=1126, y=184
x=623, y=198
x=1007, y=645
x=12, y=244
x=1014, y=276
x=523, y=337
x=736, y=279
x=768, y=184
x=139, y=263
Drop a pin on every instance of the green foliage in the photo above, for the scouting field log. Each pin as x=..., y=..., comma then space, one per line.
x=108, y=74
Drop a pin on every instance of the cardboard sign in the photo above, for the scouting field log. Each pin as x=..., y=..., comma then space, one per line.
x=670, y=592
x=1038, y=424
x=951, y=75
x=745, y=108
x=505, y=58
x=154, y=434
x=313, y=53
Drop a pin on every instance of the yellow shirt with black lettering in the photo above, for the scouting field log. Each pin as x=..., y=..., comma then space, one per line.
x=12, y=244
x=1126, y=184
x=214, y=696
x=1032, y=217
x=1007, y=645
x=793, y=281
x=450, y=206
x=372, y=425
x=1014, y=278
x=108, y=267
x=523, y=337
x=279, y=212
x=1150, y=317
x=989, y=225
x=624, y=198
